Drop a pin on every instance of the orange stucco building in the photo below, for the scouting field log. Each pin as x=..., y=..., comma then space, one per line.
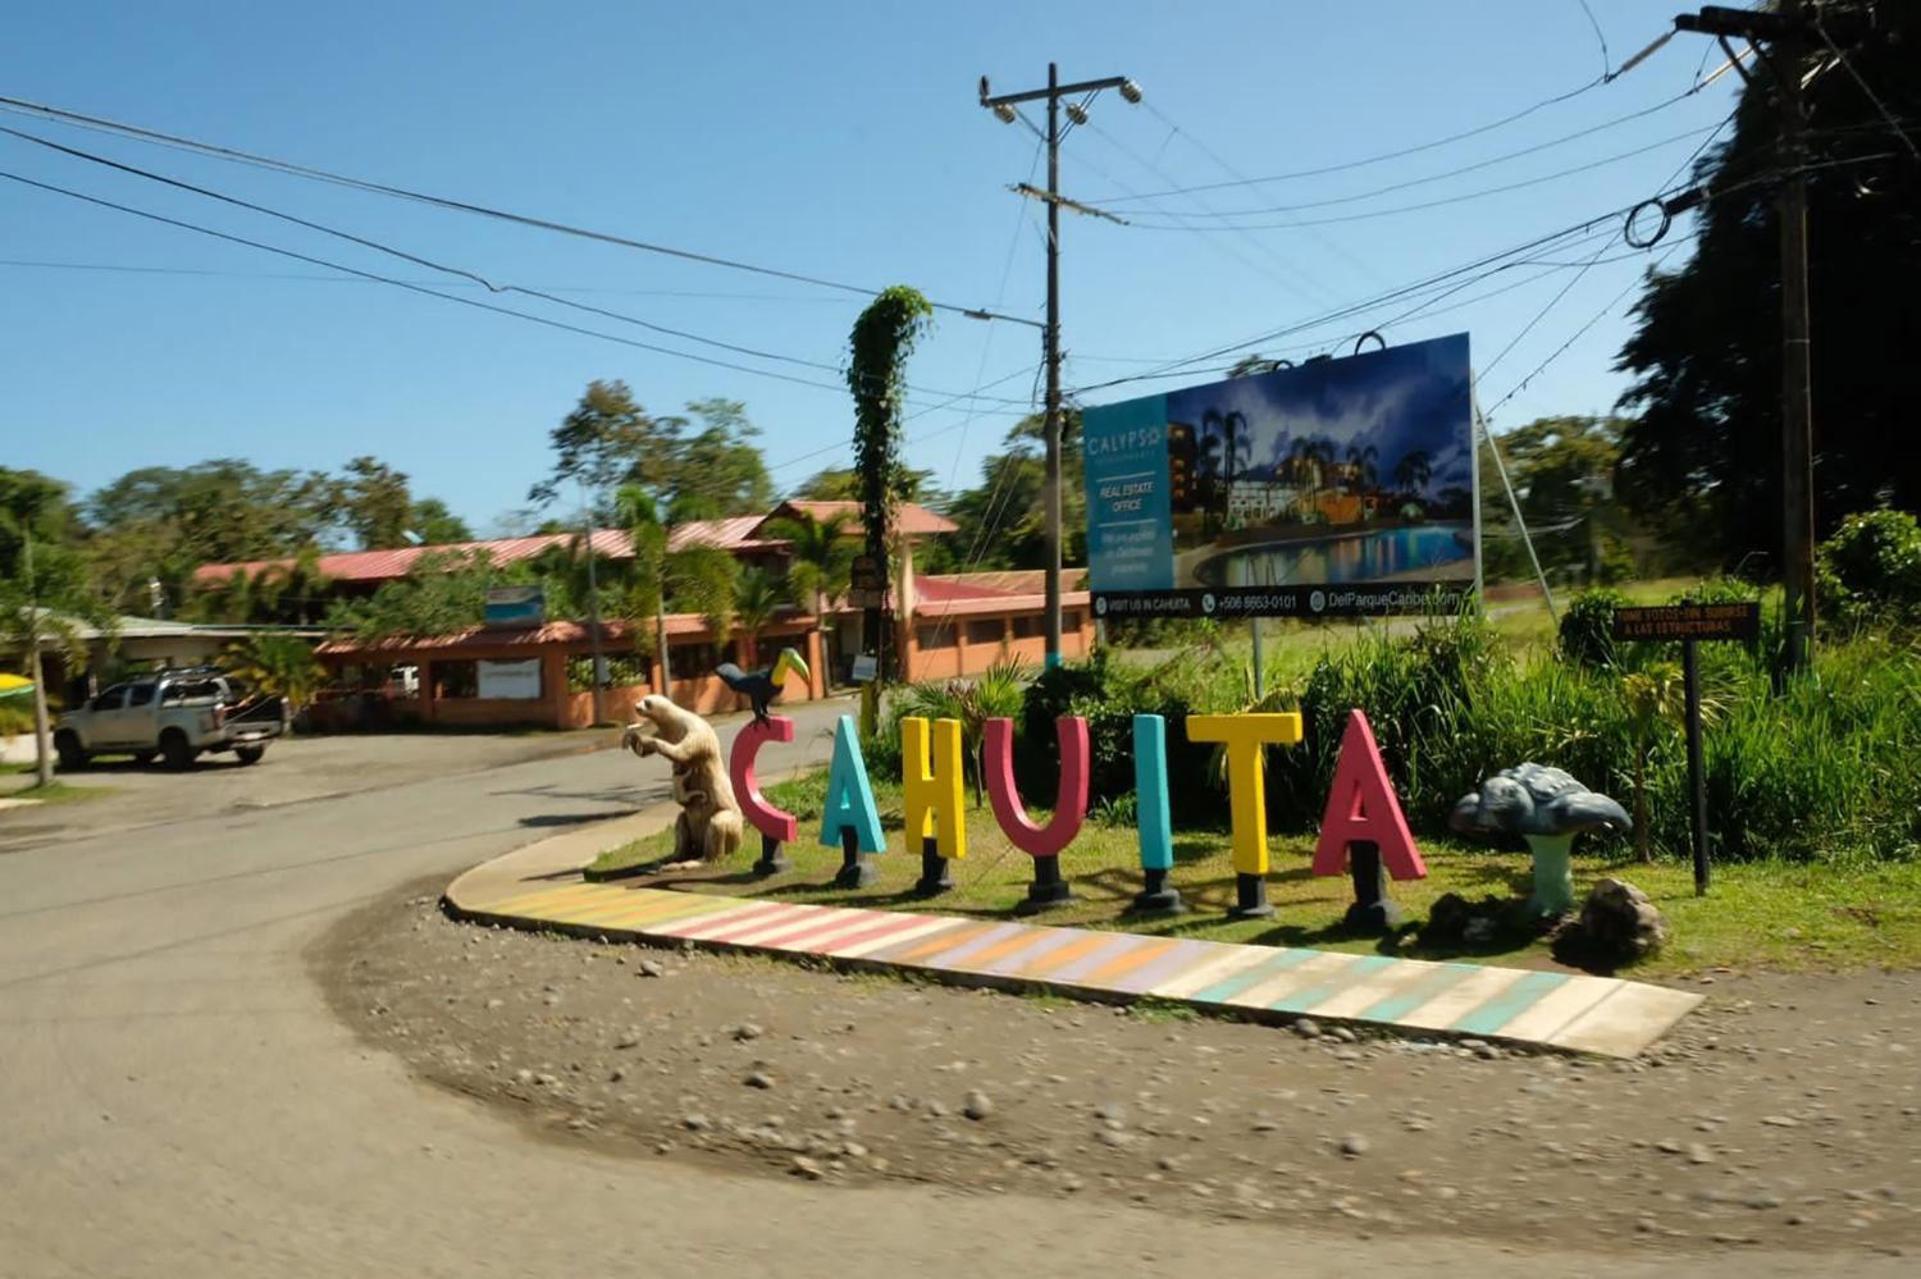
x=540, y=673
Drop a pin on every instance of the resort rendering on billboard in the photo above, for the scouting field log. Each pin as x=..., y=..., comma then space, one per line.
x=1340, y=487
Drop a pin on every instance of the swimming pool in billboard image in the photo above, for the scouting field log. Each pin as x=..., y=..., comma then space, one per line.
x=1427, y=552
x=1340, y=472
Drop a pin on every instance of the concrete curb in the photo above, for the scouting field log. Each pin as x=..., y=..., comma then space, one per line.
x=554, y=859
x=541, y=888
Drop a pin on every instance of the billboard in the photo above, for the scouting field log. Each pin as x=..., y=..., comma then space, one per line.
x=1343, y=487
x=515, y=606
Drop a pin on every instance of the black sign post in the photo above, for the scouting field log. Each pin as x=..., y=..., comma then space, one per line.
x=1692, y=623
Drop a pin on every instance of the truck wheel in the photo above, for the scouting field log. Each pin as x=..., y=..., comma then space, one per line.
x=73, y=756
x=176, y=750
x=249, y=754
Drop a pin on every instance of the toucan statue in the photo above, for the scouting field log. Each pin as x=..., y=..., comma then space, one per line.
x=762, y=687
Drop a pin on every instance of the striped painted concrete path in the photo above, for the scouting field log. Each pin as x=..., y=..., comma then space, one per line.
x=1588, y=1014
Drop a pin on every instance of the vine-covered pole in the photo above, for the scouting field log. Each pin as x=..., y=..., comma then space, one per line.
x=883, y=338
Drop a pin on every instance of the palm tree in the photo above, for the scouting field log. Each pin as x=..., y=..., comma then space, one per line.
x=822, y=559
x=1362, y=471
x=278, y=664
x=1413, y=472
x=1207, y=476
x=693, y=577
x=758, y=595
x=1307, y=459
x=1655, y=700
x=1234, y=439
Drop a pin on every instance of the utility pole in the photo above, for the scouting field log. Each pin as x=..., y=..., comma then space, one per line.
x=1004, y=107
x=593, y=600
x=1797, y=397
x=1782, y=35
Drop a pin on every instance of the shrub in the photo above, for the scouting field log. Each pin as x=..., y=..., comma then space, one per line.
x=1586, y=625
x=16, y=717
x=1870, y=570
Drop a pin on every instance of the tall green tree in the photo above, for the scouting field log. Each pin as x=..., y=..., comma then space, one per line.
x=672, y=573
x=842, y=484
x=717, y=464
x=1702, y=453
x=437, y=525
x=707, y=460
x=44, y=594
x=375, y=504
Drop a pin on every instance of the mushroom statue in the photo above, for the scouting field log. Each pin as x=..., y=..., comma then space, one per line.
x=1548, y=808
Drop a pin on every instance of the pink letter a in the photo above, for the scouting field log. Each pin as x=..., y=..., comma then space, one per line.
x=1361, y=806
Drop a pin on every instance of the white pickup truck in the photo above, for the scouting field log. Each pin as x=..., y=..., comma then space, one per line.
x=175, y=714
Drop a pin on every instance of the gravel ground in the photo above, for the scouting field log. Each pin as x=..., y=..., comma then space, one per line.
x=1785, y=1115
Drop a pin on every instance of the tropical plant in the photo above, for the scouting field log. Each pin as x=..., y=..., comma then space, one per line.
x=1870, y=570
x=1655, y=702
x=996, y=693
x=821, y=558
x=693, y=577
x=1586, y=628
x=758, y=595
x=1413, y=471
x=1361, y=468
x=277, y=664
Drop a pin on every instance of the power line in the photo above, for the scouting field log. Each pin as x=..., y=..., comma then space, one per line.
x=1561, y=350
x=1432, y=178
x=311, y=260
x=1453, y=199
x=1306, y=284
x=429, y=263
x=1599, y=35
x=1385, y=156
x=378, y=188
x=1192, y=140
x=300, y=277
x=1865, y=88
x=1538, y=243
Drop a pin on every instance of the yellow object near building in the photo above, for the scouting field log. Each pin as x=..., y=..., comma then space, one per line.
x=933, y=795
x=1246, y=738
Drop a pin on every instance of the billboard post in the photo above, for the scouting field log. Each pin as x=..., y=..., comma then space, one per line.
x=1341, y=488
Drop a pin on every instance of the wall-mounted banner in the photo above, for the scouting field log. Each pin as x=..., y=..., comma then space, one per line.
x=1342, y=487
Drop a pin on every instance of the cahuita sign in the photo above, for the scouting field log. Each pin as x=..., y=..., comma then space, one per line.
x=1339, y=487
x=1363, y=833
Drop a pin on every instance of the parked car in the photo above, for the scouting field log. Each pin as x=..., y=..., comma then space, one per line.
x=174, y=714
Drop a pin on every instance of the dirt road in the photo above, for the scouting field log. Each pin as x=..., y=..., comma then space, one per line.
x=179, y=1098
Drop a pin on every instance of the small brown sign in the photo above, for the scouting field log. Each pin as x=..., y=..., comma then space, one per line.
x=1689, y=622
x=865, y=574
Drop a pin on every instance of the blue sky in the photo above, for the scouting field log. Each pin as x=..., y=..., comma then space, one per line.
x=841, y=141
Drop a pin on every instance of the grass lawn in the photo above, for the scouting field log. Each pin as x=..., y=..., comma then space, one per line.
x=1290, y=646
x=1769, y=915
